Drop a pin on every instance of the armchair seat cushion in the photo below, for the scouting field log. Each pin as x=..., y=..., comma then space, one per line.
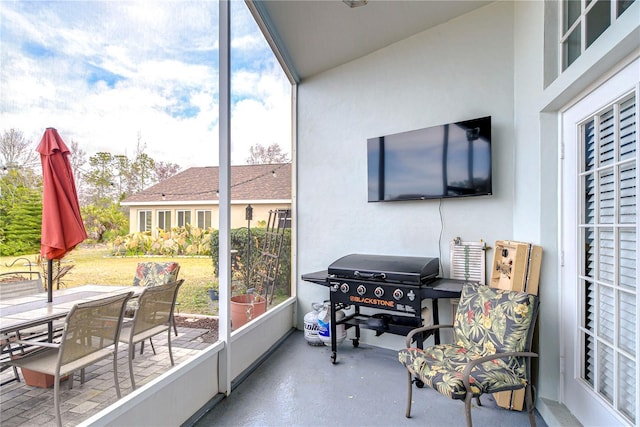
x=441, y=367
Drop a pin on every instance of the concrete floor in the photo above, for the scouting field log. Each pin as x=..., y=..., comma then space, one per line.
x=298, y=386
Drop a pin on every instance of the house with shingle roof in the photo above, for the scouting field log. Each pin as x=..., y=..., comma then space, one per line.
x=191, y=197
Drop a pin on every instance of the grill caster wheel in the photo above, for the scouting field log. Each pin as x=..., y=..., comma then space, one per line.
x=356, y=343
x=333, y=357
x=418, y=383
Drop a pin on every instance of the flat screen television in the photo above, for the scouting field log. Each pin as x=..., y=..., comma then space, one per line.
x=451, y=160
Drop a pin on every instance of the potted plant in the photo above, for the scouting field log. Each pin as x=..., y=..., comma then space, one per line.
x=246, y=307
x=247, y=302
x=213, y=292
x=38, y=379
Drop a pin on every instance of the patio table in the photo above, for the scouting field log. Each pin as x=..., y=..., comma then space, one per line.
x=25, y=312
x=21, y=313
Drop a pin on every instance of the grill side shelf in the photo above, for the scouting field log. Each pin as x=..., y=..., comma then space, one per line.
x=317, y=277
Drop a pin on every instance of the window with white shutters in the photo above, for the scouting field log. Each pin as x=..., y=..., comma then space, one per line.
x=608, y=279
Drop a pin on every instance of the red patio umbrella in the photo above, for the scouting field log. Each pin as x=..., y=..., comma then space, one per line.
x=62, y=226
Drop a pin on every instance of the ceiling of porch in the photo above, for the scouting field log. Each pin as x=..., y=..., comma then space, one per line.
x=315, y=36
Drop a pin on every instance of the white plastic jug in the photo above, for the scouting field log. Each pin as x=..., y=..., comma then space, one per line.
x=324, y=325
x=311, y=325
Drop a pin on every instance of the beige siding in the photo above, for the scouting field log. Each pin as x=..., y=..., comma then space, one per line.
x=238, y=214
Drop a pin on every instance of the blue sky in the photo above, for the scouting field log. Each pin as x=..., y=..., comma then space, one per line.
x=110, y=74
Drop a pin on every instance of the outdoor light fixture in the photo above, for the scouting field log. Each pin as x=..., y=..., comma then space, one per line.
x=355, y=3
x=274, y=174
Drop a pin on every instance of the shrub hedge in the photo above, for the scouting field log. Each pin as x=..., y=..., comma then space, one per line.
x=186, y=240
x=249, y=246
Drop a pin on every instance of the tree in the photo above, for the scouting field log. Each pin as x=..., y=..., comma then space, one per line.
x=122, y=175
x=100, y=177
x=261, y=155
x=20, y=195
x=14, y=179
x=104, y=220
x=16, y=152
x=142, y=168
x=101, y=181
x=143, y=172
x=78, y=160
x=166, y=170
x=20, y=214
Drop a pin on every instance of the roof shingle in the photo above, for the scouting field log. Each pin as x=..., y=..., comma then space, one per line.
x=248, y=182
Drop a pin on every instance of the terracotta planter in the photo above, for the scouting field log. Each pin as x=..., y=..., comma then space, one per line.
x=38, y=379
x=245, y=308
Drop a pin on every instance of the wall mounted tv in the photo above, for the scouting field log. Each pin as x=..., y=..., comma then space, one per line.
x=452, y=160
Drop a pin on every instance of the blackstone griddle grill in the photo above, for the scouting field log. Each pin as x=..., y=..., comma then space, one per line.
x=397, y=285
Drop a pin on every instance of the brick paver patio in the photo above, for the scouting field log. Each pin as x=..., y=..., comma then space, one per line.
x=23, y=405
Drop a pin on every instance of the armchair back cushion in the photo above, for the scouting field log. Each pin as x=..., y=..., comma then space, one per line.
x=156, y=273
x=490, y=320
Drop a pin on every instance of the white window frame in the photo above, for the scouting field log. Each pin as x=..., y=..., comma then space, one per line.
x=162, y=223
x=145, y=225
x=183, y=217
x=201, y=218
x=581, y=21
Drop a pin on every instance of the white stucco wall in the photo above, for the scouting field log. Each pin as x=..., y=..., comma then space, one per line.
x=460, y=70
x=488, y=62
x=535, y=210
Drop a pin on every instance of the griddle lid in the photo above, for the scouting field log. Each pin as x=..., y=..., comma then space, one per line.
x=389, y=268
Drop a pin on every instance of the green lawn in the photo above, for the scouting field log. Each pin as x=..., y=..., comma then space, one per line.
x=94, y=265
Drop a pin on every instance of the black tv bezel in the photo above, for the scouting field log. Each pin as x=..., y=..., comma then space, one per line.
x=487, y=134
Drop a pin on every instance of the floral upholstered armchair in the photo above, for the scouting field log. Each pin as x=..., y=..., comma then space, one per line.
x=493, y=332
x=156, y=273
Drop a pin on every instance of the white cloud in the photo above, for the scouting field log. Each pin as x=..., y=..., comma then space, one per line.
x=107, y=73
